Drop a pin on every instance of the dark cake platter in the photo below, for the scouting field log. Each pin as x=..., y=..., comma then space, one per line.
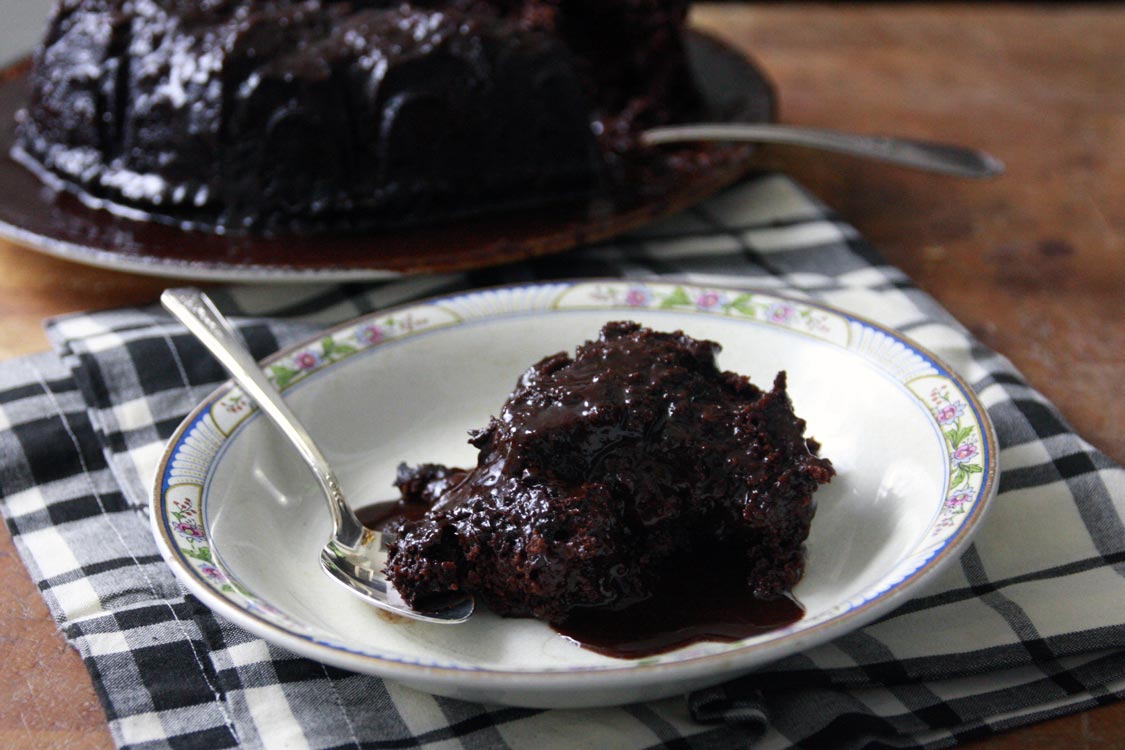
x=238, y=522
x=58, y=223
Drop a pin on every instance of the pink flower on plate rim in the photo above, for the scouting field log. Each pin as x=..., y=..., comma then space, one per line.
x=371, y=334
x=781, y=312
x=950, y=412
x=189, y=529
x=958, y=499
x=638, y=296
x=212, y=572
x=708, y=300
x=306, y=360
x=964, y=452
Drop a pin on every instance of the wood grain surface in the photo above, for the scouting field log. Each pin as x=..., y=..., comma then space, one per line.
x=1033, y=263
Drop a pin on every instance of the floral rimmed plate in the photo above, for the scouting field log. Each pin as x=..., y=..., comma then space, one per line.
x=241, y=522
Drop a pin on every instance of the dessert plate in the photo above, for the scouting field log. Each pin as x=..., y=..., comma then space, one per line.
x=241, y=522
x=59, y=224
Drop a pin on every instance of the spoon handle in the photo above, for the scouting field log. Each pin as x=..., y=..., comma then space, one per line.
x=906, y=152
x=195, y=310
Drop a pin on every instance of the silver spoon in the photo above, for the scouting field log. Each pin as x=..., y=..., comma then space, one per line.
x=906, y=152
x=355, y=554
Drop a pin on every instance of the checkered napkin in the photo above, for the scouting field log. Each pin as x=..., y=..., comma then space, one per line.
x=1029, y=624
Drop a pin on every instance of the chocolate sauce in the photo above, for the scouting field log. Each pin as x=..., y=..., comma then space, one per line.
x=381, y=515
x=733, y=87
x=699, y=600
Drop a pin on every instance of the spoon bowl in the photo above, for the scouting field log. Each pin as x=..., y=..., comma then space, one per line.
x=355, y=554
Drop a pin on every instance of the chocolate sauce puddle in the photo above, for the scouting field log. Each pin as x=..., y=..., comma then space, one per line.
x=382, y=514
x=700, y=599
x=696, y=601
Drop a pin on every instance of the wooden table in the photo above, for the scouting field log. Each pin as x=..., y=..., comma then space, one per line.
x=1033, y=263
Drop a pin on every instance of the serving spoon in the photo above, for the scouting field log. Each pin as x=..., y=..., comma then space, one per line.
x=354, y=555
x=905, y=152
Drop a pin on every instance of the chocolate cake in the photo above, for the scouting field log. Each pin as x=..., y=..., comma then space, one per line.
x=603, y=470
x=282, y=115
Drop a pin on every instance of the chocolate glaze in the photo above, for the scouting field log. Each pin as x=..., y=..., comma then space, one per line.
x=304, y=115
x=65, y=221
x=700, y=597
x=604, y=472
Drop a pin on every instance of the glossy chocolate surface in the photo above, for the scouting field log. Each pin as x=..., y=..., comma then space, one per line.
x=58, y=222
x=700, y=598
x=304, y=115
x=604, y=473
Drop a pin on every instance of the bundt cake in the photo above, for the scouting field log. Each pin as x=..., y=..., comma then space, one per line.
x=297, y=115
x=603, y=470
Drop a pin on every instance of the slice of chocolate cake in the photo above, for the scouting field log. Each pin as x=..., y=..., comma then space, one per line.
x=602, y=470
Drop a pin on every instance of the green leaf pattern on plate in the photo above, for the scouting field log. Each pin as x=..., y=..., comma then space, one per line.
x=751, y=305
x=962, y=439
x=958, y=423
x=335, y=347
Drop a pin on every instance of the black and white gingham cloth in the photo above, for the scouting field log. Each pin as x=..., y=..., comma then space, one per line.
x=1029, y=625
